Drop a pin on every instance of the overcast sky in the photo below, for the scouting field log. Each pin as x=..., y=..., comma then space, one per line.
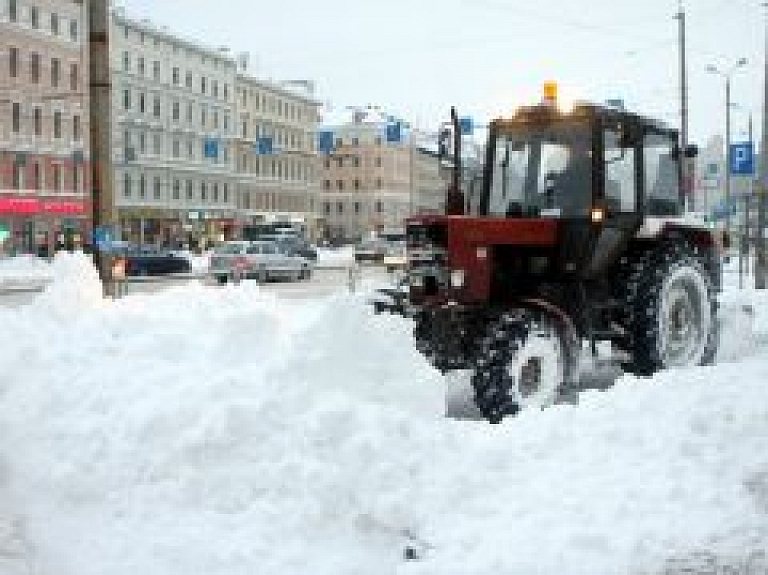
x=418, y=57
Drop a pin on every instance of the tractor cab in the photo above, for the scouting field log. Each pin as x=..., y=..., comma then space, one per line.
x=590, y=162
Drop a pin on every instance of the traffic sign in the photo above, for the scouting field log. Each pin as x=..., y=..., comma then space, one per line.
x=211, y=148
x=325, y=142
x=103, y=236
x=742, y=159
x=394, y=132
x=264, y=146
x=466, y=126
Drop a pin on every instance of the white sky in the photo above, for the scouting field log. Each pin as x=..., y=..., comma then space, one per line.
x=418, y=57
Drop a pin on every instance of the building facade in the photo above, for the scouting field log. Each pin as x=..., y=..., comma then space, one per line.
x=369, y=185
x=174, y=127
x=44, y=162
x=275, y=152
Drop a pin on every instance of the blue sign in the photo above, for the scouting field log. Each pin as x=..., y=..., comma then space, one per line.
x=325, y=142
x=742, y=159
x=103, y=236
x=211, y=148
x=466, y=126
x=394, y=132
x=264, y=146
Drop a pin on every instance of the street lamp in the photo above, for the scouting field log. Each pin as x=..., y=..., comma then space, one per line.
x=727, y=75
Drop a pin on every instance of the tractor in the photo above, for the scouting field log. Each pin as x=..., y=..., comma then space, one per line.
x=568, y=232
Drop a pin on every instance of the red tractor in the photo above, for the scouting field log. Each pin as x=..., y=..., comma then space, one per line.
x=570, y=231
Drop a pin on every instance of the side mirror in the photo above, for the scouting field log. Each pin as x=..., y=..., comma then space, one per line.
x=691, y=151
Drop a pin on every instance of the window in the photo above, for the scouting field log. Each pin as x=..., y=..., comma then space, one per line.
x=127, y=185
x=379, y=207
x=190, y=112
x=190, y=150
x=226, y=91
x=327, y=163
x=57, y=124
x=34, y=17
x=203, y=84
x=340, y=162
x=37, y=118
x=188, y=82
x=76, y=131
x=176, y=111
x=619, y=173
x=355, y=142
x=176, y=189
x=36, y=176
x=55, y=72
x=378, y=140
x=156, y=70
x=157, y=144
x=215, y=88
x=661, y=176
x=56, y=178
x=245, y=129
x=157, y=108
x=18, y=175
x=357, y=207
x=203, y=192
x=327, y=208
x=16, y=118
x=76, y=179
x=74, y=77
x=226, y=122
x=340, y=185
x=142, y=103
x=142, y=186
x=356, y=161
x=378, y=183
x=157, y=188
x=215, y=119
x=13, y=62
x=244, y=96
x=357, y=185
x=215, y=192
x=339, y=142
x=176, y=76
x=378, y=162
x=13, y=13
x=190, y=190
x=141, y=65
x=176, y=149
x=55, y=24
x=34, y=67
x=142, y=143
x=126, y=62
x=203, y=116
x=225, y=192
x=340, y=207
x=126, y=99
x=74, y=32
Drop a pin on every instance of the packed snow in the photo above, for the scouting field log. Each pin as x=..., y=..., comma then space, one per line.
x=222, y=431
x=24, y=271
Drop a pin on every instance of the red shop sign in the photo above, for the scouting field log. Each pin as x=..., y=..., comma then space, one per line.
x=38, y=206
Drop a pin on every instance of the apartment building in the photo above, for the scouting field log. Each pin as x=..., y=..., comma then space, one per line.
x=276, y=159
x=44, y=162
x=369, y=184
x=174, y=128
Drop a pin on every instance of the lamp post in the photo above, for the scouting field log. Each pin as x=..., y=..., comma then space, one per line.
x=727, y=75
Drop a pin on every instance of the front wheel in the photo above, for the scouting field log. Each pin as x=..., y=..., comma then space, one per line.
x=524, y=361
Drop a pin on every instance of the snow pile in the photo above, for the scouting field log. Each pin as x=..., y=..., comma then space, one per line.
x=336, y=256
x=226, y=431
x=24, y=270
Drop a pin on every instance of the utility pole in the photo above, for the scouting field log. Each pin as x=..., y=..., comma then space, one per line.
x=100, y=140
x=687, y=162
x=762, y=203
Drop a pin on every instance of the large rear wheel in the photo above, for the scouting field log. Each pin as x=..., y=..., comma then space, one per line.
x=524, y=361
x=672, y=312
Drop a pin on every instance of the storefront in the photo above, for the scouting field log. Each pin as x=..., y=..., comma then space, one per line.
x=41, y=225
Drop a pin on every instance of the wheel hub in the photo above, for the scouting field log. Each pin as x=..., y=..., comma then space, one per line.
x=684, y=320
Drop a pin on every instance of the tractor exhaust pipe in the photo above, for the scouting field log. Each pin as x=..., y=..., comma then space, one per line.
x=454, y=200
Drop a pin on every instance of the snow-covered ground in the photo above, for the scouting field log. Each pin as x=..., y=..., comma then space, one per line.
x=344, y=256
x=223, y=431
x=24, y=270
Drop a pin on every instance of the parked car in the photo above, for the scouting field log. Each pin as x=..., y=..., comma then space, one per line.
x=257, y=260
x=148, y=260
x=369, y=251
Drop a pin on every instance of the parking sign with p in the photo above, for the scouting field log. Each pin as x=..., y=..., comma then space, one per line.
x=742, y=159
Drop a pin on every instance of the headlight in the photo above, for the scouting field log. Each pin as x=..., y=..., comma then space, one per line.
x=457, y=278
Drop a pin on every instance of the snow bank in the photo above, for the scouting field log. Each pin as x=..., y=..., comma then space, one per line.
x=23, y=270
x=336, y=256
x=225, y=431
